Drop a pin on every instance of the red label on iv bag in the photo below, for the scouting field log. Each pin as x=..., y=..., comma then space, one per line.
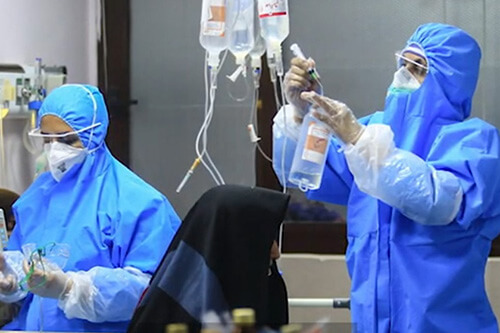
x=268, y=8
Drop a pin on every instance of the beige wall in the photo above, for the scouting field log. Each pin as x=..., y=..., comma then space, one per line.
x=325, y=276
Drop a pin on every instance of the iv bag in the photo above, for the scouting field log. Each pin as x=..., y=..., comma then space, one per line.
x=259, y=46
x=310, y=155
x=214, y=29
x=241, y=18
x=274, y=23
x=274, y=28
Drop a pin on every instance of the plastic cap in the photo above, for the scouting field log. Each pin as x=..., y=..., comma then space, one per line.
x=240, y=59
x=244, y=316
x=255, y=62
x=213, y=60
x=176, y=328
x=292, y=328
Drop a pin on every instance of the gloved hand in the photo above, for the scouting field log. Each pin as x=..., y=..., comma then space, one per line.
x=297, y=80
x=337, y=115
x=8, y=281
x=52, y=283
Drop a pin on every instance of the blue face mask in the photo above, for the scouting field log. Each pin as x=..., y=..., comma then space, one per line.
x=403, y=82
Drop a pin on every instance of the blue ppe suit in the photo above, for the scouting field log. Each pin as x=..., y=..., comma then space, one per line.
x=109, y=216
x=418, y=277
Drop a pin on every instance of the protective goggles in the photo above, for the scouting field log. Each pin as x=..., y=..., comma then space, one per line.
x=67, y=138
x=419, y=68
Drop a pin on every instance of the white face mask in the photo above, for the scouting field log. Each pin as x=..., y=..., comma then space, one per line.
x=62, y=157
x=404, y=81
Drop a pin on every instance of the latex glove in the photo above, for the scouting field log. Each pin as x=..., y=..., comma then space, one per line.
x=8, y=280
x=337, y=115
x=298, y=80
x=51, y=284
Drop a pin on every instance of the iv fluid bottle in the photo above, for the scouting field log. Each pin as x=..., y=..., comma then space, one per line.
x=274, y=26
x=214, y=29
x=259, y=46
x=310, y=156
x=241, y=20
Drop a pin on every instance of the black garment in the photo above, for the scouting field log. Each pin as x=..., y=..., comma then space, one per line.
x=218, y=261
x=277, y=306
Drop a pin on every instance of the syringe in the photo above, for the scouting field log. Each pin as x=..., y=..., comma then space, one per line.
x=298, y=53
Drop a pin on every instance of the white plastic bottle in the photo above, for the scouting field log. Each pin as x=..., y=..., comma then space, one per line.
x=275, y=26
x=310, y=155
x=241, y=21
x=214, y=29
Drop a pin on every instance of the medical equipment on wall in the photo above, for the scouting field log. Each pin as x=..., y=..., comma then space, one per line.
x=22, y=90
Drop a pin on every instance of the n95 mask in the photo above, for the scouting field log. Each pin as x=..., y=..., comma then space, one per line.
x=404, y=81
x=62, y=157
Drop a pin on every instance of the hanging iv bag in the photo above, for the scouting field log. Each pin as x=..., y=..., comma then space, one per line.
x=214, y=29
x=241, y=38
x=259, y=46
x=274, y=27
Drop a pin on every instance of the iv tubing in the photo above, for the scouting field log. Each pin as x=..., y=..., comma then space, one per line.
x=202, y=134
x=280, y=241
x=253, y=121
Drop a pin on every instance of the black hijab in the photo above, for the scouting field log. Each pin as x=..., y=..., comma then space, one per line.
x=218, y=261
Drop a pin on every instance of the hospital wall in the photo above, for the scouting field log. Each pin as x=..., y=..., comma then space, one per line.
x=62, y=33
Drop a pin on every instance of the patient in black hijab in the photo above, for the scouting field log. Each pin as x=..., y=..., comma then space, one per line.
x=219, y=260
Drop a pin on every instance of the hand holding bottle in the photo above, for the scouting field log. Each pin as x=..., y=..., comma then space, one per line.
x=337, y=115
x=298, y=80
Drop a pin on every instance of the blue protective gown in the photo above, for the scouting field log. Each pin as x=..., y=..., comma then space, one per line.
x=414, y=277
x=109, y=216
x=410, y=277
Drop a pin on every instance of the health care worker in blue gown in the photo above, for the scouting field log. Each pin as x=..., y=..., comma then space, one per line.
x=117, y=226
x=421, y=186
